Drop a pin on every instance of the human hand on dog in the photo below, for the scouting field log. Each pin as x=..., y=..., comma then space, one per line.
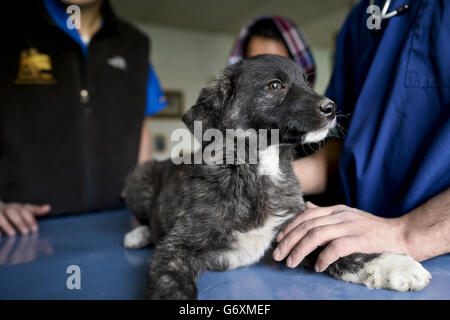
x=342, y=231
x=20, y=216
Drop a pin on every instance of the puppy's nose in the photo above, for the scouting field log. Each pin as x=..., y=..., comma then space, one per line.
x=328, y=108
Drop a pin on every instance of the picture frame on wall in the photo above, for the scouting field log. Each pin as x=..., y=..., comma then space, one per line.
x=175, y=105
x=160, y=143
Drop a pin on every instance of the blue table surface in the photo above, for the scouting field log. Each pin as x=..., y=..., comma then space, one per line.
x=34, y=267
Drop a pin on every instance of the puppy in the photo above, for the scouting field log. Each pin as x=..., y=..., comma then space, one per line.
x=226, y=215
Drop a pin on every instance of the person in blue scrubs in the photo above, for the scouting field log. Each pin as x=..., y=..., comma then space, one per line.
x=393, y=86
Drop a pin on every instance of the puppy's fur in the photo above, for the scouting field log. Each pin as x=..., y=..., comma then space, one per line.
x=220, y=217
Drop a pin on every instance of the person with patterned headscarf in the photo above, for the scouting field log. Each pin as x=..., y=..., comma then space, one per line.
x=274, y=35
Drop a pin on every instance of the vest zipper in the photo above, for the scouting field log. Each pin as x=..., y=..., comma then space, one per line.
x=84, y=97
x=86, y=127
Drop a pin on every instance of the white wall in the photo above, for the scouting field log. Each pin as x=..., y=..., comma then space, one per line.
x=187, y=60
x=322, y=56
x=184, y=60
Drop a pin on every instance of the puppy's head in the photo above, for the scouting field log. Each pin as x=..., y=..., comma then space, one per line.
x=264, y=92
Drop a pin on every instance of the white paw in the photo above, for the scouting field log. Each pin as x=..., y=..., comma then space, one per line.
x=394, y=271
x=137, y=238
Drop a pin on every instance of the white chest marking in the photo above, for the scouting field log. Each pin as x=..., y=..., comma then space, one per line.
x=269, y=162
x=250, y=246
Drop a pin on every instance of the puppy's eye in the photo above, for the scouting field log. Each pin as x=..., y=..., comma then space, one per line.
x=275, y=85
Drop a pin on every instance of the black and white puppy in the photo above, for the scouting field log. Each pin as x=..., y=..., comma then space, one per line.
x=224, y=216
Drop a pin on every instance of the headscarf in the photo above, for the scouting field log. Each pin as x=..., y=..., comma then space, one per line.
x=296, y=44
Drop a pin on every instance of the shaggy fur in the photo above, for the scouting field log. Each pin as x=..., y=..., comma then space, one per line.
x=219, y=217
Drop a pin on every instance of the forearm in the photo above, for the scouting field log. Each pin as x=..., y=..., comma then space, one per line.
x=427, y=228
x=312, y=171
x=145, y=146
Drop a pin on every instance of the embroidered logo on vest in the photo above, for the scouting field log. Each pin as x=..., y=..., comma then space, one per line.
x=117, y=62
x=34, y=68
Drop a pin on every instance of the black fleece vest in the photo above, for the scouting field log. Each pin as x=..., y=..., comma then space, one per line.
x=69, y=125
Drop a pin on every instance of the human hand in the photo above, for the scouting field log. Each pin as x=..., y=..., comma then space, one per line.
x=342, y=230
x=20, y=216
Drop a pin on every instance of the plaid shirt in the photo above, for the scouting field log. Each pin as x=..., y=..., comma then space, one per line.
x=296, y=43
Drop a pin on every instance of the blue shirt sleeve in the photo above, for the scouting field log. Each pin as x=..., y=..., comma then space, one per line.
x=156, y=101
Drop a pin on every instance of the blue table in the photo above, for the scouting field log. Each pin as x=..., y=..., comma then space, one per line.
x=34, y=267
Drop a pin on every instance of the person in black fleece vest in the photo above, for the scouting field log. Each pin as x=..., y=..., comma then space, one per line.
x=72, y=105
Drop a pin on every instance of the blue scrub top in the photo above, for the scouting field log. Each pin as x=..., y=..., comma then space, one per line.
x=395, y=86
x=156, y=100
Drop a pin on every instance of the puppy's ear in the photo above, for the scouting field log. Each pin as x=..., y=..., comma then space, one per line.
x=212, y=103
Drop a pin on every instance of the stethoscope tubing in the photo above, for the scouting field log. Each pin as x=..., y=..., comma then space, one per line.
x=387, y=15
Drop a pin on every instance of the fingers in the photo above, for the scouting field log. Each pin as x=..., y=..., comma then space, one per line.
x=310, y=205
x=336, y=249
x=14, y=216
x=39, y=210
x=308, y=214
x=6, y=226
x=29, y=219
x=299, y=232
x=338, y=228
x=21, y=217
x=315, y=237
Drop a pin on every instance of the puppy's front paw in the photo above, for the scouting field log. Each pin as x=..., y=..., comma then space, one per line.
x=137, y=238
x=394, y=271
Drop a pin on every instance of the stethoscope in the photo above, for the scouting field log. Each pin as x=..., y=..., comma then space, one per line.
x=387, y=15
